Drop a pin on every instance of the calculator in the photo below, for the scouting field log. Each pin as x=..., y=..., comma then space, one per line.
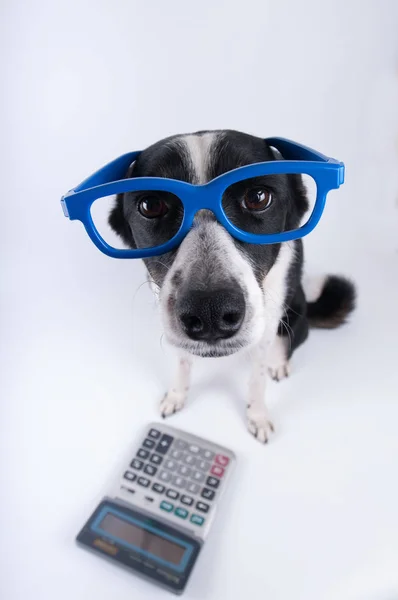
x=159, y=508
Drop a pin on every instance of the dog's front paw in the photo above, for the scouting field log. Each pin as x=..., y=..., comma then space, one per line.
x=172, y=402
x=277, y=361
x=278, y=372
x=259, y=424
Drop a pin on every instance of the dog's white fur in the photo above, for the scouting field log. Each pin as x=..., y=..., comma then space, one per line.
x=199, y=150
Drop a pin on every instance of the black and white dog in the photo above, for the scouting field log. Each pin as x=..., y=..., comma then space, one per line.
x=217, y=295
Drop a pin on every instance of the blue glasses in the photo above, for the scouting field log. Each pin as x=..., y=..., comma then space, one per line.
x=165, y=208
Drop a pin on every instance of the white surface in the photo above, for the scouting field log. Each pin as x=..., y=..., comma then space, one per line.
x=312, y=515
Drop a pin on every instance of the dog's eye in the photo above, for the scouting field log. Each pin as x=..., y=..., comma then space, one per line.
x=257, y=199
x=152, y=207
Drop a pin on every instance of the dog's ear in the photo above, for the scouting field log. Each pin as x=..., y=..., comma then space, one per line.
x=117, y=219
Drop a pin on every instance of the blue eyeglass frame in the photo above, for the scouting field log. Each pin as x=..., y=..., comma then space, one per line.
x=327, y=172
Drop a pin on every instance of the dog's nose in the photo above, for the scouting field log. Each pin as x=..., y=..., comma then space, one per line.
x=211, y=315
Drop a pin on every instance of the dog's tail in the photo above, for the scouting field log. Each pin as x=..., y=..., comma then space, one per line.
x=329, y=301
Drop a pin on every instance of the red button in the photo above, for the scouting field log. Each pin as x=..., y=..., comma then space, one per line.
x=222, y=460
x=216, y=470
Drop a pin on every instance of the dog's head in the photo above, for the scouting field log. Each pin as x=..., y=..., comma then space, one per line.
x=212, y=287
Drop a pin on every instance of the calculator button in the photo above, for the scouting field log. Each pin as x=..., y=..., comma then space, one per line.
x=189, y=459
x=198, y=476
x=208, y=494
x=206, y=454
x=222, y=460
x=150, y=470
x=156, y=459
x=194, y=449
x=154, y=433
x=197, y=520
x=203, y=465
x=172, y=494
x=216, y=470
x=157, y=487
x=170, y=465
x=165, y=476
x=143, y=453
x=181, y=445
x=168, y=506
x=213, y=482
x=179, y=481
x=136, y=464
x=184, y=470
x=130, y=476
x=143, y=481
x=164, y=444
x=202, y=506
x=148, y=443
x=186, y=500
x=193, y=488
x=181, y=512
x=177, y=454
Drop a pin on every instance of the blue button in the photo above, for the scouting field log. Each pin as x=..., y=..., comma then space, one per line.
x=197, y=520
x=181, y=512
x=168, y=506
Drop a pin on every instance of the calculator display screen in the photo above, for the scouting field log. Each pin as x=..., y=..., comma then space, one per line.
x=142, y=538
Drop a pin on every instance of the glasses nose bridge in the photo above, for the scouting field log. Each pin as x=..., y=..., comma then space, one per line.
x=206, y=197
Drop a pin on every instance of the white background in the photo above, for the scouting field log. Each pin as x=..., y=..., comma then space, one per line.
x=313, y=515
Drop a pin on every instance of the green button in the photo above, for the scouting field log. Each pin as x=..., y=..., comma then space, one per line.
x=181, y=512
x=197, y=520
x=166, y=506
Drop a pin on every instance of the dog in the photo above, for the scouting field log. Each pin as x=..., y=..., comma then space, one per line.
x=217, y=295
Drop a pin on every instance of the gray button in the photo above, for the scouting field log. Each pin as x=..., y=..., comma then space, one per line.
x=202, y=465
x=189, y=459
x=207, y=454
x=194, y=449
x=177, y=454
x=164, y=476
x=193, y=488
x=179, y=481
x=170, y=465
x=184, y=470
x=180, y=444
x=198, y=476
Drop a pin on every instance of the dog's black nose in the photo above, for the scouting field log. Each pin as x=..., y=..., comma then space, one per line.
x=211, y=315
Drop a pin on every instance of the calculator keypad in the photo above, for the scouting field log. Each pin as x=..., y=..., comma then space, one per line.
x=184, y=476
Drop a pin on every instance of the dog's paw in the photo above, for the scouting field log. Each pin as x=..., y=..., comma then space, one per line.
x=172, y=402
x=277, y=362
x=259, y=424
x=278, y=372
